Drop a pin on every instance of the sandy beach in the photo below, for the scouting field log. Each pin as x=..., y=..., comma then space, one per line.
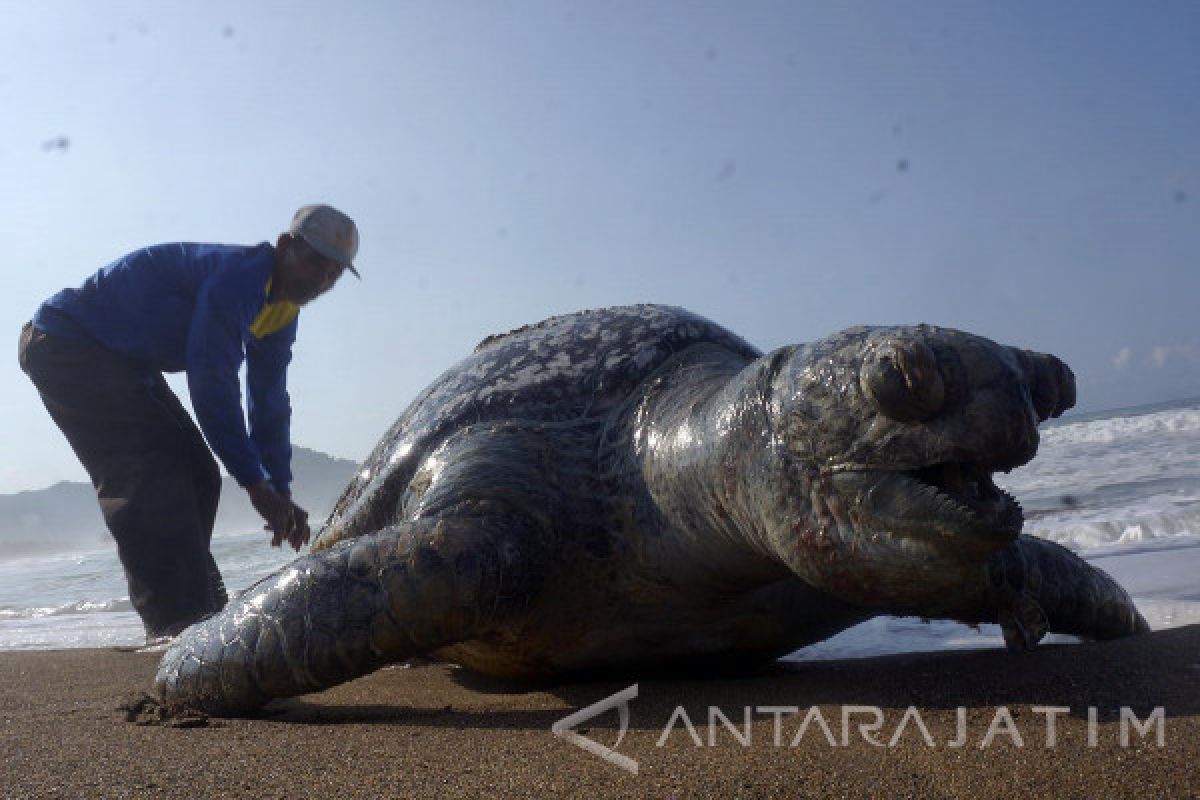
x=434, y=730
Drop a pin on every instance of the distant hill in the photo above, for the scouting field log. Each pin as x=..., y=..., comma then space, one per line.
x=66, y=515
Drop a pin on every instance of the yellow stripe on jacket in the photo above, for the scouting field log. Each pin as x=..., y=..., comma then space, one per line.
x=274, y=316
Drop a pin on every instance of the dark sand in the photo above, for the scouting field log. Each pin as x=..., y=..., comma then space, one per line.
x=429, y=731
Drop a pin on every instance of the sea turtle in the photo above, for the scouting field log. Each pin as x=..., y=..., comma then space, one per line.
x=636, y=487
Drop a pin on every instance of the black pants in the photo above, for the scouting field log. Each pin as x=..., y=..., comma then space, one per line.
x=156, y=479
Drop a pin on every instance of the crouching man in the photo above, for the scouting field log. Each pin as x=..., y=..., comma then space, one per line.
x=97, y=353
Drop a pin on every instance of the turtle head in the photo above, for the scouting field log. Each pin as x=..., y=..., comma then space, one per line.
x=895, y=434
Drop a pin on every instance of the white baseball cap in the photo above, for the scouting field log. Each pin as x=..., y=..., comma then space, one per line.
x=328, y=231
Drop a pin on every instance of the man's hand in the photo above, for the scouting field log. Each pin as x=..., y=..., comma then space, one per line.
x=285, y=519
x=300, y=533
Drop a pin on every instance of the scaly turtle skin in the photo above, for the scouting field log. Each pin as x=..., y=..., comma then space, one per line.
x=635, y=488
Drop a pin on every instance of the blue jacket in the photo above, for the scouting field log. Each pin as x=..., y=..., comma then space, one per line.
x=199, y=308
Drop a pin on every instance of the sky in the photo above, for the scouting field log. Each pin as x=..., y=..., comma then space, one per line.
x=1027, y=171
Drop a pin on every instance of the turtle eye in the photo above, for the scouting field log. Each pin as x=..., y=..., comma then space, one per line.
x=903, y=380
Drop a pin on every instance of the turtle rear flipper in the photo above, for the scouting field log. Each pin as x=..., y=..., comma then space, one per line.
x=344, y=612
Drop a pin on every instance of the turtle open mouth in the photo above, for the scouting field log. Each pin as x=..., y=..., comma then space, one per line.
x=955, y=500
x=970, y=488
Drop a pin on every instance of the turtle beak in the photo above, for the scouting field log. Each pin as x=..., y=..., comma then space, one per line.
x=1051, y=383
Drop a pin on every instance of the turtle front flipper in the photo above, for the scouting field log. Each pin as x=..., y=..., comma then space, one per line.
x=335, y=615
x=1023, y=623
x=1033, y=587
x=1039, y=585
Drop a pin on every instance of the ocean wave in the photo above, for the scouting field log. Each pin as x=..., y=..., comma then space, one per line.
x=1115, y=429
x=76, y=607
x=1171, y=613
x=1080, y=532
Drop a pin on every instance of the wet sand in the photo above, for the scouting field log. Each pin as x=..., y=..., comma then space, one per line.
x=433, y=730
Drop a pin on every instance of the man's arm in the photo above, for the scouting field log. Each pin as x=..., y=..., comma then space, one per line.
x=214, y=354
x=270, y=412
x=268, y=403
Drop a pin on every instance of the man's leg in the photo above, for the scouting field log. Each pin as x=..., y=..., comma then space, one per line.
x=206, y=485
x=141, y=462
